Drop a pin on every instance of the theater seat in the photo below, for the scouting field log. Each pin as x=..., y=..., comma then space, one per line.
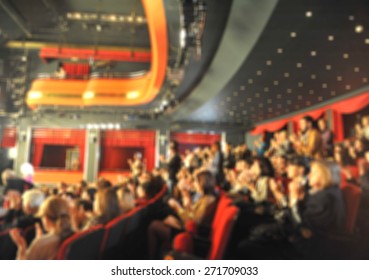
x=115, y=232
x=184, y=243
x=352, y=196
x=83, y=245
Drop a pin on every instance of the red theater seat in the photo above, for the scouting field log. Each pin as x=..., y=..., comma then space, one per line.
x=351, y=195
x=83, y=245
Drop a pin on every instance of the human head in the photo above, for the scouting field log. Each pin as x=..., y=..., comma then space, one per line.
x=54, y=212
x=32, y=200
x=306, y=123
x=320, y=176
x=296, y=167
x=204, y=182
x=106, y=204
x=126, y=199
x=6, y=175
x=365, y=120
x=322, y=124
x=262, y=167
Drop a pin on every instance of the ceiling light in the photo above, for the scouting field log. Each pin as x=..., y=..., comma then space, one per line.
x=346, y=56
x=367, y=41
x=35, y=95
x=365, y=80
x=324, y=85
x=259, y=73
x=103, y=126
x=352, y=18
x=339, y=78
x=313, y=76
x=348, y=87
x=110, y=126
x=286, y=74
x=330, y=38
x=117, y=126
x=279, y=50
x=356, y=69
x=298, y=64
x=309, y=14
x=98, y=28
x=359, y=28
x=250, y=81
x=328, y=67
x=313, y=53
x=293, y=34
x=242, y=87
x=268, y=62
x=276, y=83
x=88, y=95
x=132, y=94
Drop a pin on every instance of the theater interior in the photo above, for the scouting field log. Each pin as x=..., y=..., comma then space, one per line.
x=184, y=129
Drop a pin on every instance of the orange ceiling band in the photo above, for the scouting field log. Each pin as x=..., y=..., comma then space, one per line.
x=112, y=91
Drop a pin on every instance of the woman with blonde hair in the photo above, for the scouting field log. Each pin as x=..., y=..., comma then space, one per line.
x=126, y=199
x=54, y=213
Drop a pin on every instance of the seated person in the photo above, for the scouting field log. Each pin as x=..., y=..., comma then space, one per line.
x=81, y=213
x=56, y=221
x=126, y=199
x=201, y=212
x=106, y=207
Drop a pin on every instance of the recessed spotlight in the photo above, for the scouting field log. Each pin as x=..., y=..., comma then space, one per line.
x=346, y=55
x=330, y=38
x=324, y=85
x=313, y=53
x=352, y=18
x=276, y=83
x=266, y=89
x=235, y=93
x=300, y=84
x=259, y=72
x=367, y=41
x=347, y=87
x=250, y=81
x=269, y=101
x=298, y=64
x=359, y=28
x=309, y=14
x=279, y=50
x=242, y=87
x=328, y=67
x=257, y=94
x=293, y=34
x=339, y=78
x=286, y=74
x=311, y=91
x=313, y=76
x=279, y=96
x=289, y=90
x=356, y=69
x=365, y=80
x=268, y=62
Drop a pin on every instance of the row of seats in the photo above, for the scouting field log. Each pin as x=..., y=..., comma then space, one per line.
x=121, y=238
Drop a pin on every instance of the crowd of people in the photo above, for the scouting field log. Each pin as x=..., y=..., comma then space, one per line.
x=287, y=188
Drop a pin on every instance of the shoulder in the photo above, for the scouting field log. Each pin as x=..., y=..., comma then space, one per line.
x=44, y=248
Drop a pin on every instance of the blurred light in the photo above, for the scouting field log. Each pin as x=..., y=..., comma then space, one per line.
x=359, y=28
x=182, y=38
x=27, y=169
x=309, y=14
x=132, y=94
x=117, y=126
x=103, y=126
x=110, y=126
x=12, y=153
x=88, y=95
x=35, y=95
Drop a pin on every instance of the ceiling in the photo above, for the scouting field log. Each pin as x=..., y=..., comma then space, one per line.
x=260, y=60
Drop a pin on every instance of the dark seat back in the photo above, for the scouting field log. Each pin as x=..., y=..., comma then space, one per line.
x=84, y=245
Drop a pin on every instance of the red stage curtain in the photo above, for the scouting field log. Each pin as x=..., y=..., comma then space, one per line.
x=63, y=137
x=346, y=106
x=189, y=141
x=113, y=141
x=9, y=137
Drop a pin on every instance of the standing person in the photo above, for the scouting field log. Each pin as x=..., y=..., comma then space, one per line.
x=136, y=165
x=174, y=164
x=310, y=142
x=327, y=138
x=217, y=163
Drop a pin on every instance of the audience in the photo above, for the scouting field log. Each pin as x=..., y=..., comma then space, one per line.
x=288, y=194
